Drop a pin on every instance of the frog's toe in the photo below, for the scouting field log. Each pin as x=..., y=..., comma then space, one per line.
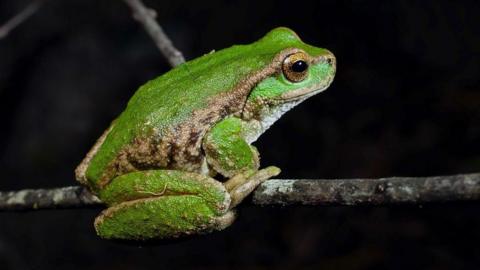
x=244, y=188
x=226, y=220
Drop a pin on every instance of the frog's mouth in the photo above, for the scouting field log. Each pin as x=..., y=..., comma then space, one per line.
x=303, y=93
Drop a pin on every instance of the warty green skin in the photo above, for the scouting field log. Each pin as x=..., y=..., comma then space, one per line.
x=153, y=165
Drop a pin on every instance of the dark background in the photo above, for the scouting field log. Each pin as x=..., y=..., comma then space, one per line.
x=405, y=102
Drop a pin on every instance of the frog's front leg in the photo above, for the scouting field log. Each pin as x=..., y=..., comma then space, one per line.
x=229, y=154
x=163, y=204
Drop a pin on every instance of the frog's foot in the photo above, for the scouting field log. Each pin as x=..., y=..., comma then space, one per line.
x=241, y=185
x=163, y=204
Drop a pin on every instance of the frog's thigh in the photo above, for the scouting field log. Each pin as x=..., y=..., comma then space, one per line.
x=226, y=149
x=163, y=204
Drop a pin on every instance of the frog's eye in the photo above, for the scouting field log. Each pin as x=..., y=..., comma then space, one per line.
x=295, y=67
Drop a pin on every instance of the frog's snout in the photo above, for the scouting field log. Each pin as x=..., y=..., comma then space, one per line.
x=330, y=59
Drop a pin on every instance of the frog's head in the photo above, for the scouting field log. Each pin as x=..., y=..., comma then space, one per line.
x=295, y=71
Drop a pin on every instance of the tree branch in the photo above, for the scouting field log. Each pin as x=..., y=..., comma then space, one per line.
x=32, y=199
x=394, y=190
x=22, y=16
x=383, y=191
x=146, y=17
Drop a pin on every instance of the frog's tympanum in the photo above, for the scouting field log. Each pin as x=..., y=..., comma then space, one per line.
x=179, y=158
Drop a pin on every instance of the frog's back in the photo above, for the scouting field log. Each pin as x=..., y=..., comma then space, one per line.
x=164, y=121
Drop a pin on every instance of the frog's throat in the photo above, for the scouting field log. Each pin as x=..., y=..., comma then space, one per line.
x=274, y=109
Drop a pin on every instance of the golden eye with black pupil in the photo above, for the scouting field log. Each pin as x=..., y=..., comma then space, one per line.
x=295, y=67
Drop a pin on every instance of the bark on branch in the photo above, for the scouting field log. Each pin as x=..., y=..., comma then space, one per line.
x=146, y=17
x=383, y=191
x=32, y=199
x=393, y=190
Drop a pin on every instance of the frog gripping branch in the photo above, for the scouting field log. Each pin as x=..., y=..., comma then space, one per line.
x=157, y=165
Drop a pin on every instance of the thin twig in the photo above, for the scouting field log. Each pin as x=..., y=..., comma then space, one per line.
x=383, y=191
x=22, y=16
x=146, y=17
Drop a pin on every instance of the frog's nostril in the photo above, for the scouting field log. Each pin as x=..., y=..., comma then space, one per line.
x=330, y=59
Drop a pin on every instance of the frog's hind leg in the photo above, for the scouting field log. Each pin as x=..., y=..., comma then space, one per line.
x=163, y=204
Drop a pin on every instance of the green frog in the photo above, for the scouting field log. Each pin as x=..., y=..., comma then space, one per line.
x=180, y=157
